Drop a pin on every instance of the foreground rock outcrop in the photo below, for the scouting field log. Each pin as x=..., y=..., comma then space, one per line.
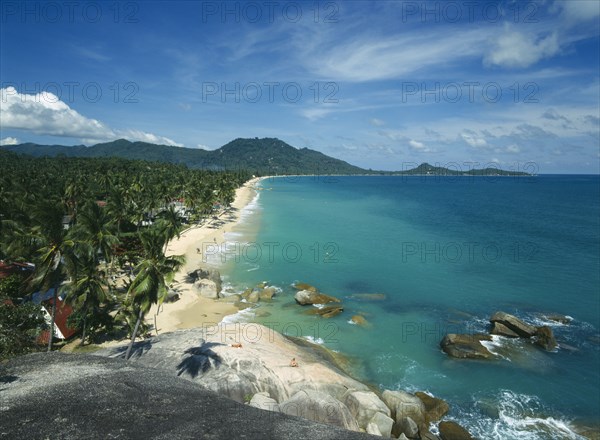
x=75, y=396
x=254, y=364
x=262, y=363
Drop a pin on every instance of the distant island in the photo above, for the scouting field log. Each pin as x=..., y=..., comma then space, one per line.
x=266, y=156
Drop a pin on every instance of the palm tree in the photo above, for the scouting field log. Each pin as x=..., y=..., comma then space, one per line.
x=95, y=228
x=54, y=248
x=154, y=272
x=86, y=289
x=170, y=225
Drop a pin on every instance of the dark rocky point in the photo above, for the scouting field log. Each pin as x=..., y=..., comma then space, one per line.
x=76, y=396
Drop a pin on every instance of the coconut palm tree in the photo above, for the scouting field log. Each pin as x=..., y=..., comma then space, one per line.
x=154, y=273
x=54, y=249
x=170, y=224
x=86, y=291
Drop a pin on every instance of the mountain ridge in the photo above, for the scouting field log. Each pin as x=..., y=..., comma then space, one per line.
x=265, y=156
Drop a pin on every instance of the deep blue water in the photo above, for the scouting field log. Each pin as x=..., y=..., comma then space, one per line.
x=447, y=252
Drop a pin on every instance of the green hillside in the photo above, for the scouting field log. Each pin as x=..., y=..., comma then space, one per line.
x=266, y=156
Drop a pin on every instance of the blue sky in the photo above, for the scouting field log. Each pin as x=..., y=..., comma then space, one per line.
x=382, y=85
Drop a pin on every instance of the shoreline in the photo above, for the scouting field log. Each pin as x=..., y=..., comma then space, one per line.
x=193, y=310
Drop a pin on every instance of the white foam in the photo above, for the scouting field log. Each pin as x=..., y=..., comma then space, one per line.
x=245, y=315
x=250, y=209
x=520, y=416
x=496, y=343
x=313, y=340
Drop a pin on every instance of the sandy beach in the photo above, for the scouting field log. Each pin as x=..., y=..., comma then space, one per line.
x=192, y=310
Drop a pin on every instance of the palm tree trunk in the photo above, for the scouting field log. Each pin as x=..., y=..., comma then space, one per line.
x=52, y=317
x=133, y=336
x=83, y=331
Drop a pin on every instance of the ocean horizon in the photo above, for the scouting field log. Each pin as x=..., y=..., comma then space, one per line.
x=445, y=253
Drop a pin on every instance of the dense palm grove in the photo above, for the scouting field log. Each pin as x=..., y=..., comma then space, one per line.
x=96, y=231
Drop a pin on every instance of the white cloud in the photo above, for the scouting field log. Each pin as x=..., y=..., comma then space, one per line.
x=419, y=146
x=377, y=122
x=313, y=114
x=476, y=142
x=137, y=135
x=44, y=113
x=513, y=149
x=578, y=10
x=9, y=141
x=516, y=49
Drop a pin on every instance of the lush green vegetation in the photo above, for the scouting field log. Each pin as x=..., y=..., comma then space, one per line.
x=267, y=156
x=96, y=230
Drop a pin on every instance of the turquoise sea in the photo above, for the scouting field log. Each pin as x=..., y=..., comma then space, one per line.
x=447, y=252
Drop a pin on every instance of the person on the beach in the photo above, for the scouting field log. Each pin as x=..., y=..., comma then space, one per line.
x=236, y=345
x=293, y=363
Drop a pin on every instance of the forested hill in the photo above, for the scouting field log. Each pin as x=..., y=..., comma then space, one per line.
x=267, y=156
x=262, y=156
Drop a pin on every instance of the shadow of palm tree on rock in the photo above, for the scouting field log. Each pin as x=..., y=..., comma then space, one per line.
x=199, y=359
x=139, y=348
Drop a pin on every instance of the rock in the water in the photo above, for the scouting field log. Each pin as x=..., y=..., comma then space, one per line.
x=246, y=293
x=359, y=320
x=501, y=330
x=561, y=319
x=544, y=337
x=262, y=313
x=254, y=297
x=402, y=437
x=308, y=297
x=363, y=405
x=207, y=288
x=466, y=346
x=305, y=286
x=403, y=404
x=429, y=436
x=367, y=296
x=435, y=408
x=319, y=407
x=268, y=293
x=453, y=431
x=408, y=427
x=242, y=305
x=514, y=324
x=263, y=401
x=327, y=311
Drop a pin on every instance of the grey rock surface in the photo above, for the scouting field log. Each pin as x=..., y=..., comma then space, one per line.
x=205, y=356
x=76, y=396
x=319, y=407
x=513, y=323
